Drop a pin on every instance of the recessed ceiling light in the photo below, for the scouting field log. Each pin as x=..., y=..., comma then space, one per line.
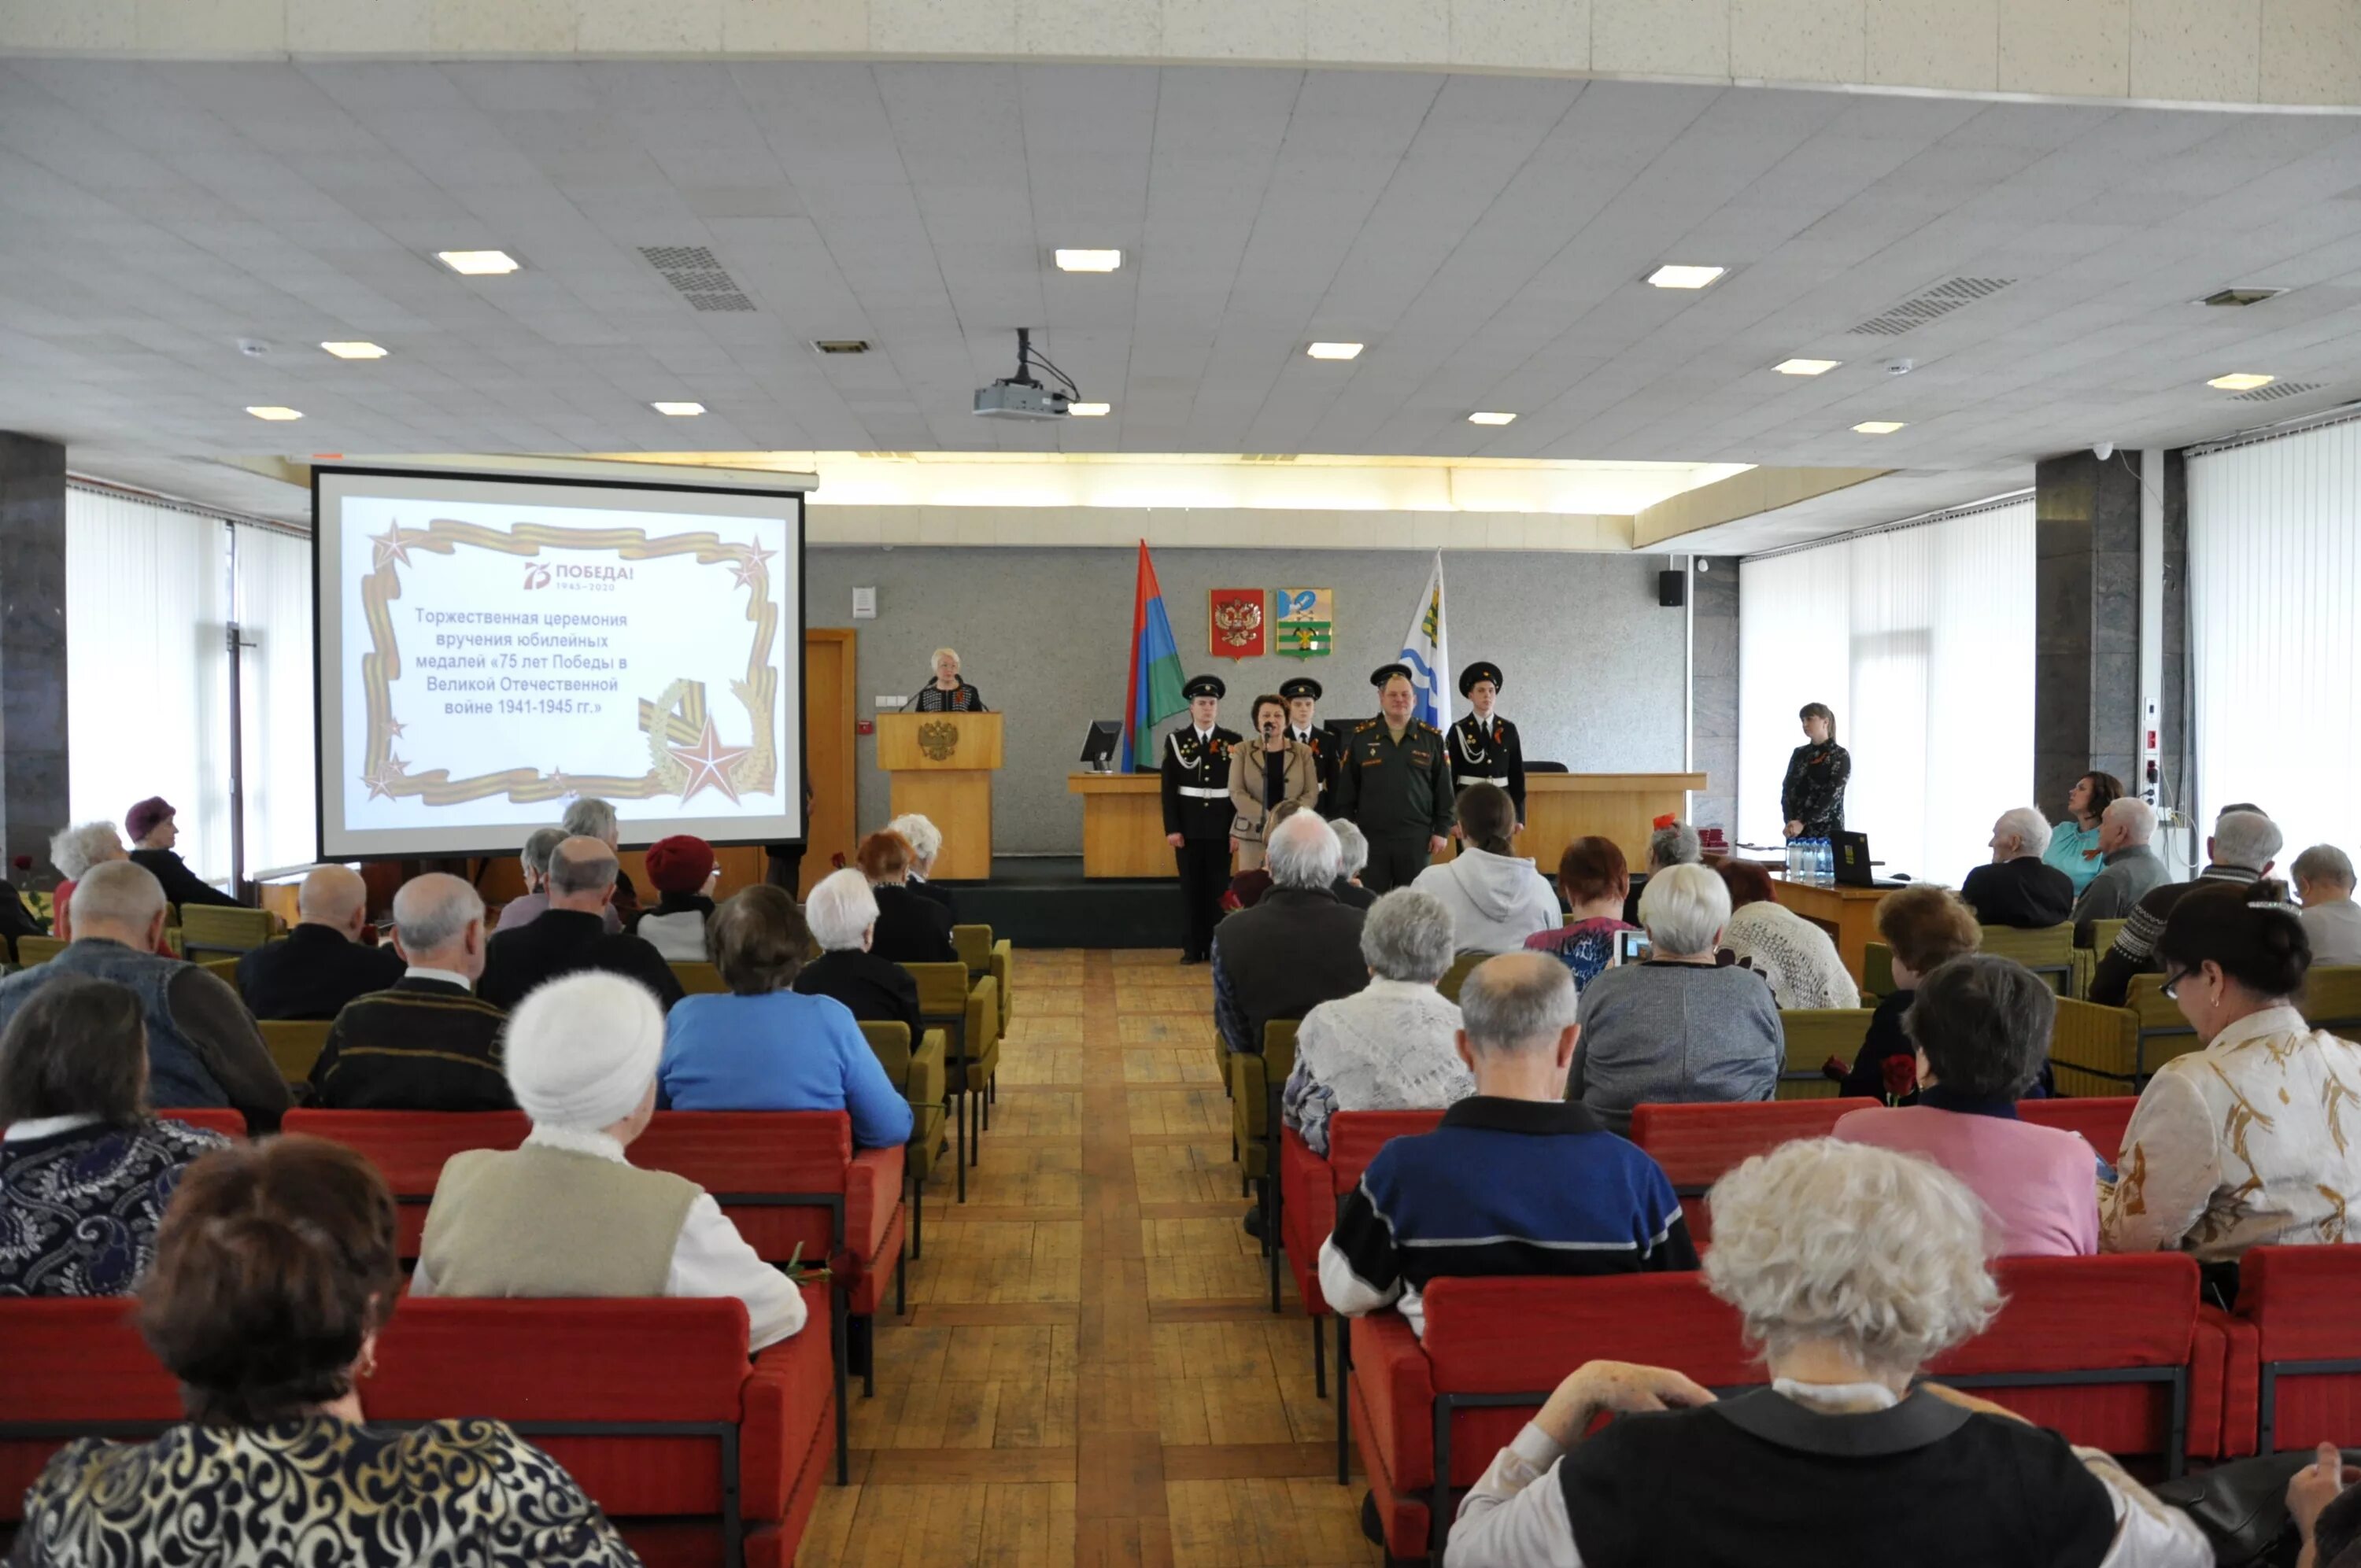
x=272, y=410
x=354, y=350
x=2240, y=381
x=1489, y=417
x=679, y=411
x=1806, y=367
x=1684, y=277
x=2234, y=297
x=1089, y=260
x=1878, y=426
x=1089, y=410
x=478, y=263
x=1335, y=351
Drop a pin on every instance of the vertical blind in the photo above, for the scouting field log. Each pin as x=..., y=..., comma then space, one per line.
x=152, y=589
x=2274, y=576
x=1921, y=640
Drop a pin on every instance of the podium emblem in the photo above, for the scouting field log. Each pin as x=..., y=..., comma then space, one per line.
x=939, y=740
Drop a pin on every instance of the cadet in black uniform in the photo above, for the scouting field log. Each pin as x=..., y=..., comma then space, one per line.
x=1302, y=695
x=1198, y=813
x=1483, y=746
x=1394, y=781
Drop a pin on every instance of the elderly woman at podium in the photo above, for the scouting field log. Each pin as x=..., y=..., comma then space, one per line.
x=947, y=693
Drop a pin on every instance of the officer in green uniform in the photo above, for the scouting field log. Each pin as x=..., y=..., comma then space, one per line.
x=1302, y=698
x=1394, y=781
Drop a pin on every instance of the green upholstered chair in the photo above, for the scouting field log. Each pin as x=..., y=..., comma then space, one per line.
x=1255, y=1083
x=920, y=1075
x=294, y=1044
x=31, y=950
x=1814, y=1035
x=2047, y=950
x=1456, y=975
x=699, y=977
x=210, y=929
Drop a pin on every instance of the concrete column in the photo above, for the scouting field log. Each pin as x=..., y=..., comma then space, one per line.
x=33, y=797
x=1713, y=691
x=2086, y=691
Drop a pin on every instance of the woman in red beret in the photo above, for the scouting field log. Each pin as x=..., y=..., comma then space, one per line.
x=681, y=868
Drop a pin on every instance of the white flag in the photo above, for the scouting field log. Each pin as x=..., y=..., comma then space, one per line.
x=1426, y=649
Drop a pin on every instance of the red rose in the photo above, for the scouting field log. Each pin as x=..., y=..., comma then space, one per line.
x=1901, y=1077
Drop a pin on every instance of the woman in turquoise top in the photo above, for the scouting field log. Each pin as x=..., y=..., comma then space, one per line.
x=2074, y=843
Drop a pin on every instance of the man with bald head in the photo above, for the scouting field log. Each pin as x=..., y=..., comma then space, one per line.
x=569, y=935
x=323, y=963
x=427, y=1042
x=202, y=1048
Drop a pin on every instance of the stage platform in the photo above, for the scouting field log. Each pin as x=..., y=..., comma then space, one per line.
x=1044, y=901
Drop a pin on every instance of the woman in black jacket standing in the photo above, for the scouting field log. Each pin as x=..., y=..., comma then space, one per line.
x=1812, y=799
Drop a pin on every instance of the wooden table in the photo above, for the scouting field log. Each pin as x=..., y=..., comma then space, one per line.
x=1847, y=913
x=1122, y=825
x=1562, y=807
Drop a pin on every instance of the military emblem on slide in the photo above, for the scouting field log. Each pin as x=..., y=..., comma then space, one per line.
x=939, y=740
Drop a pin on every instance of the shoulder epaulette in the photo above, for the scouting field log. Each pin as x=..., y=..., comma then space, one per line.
x=1365, y=724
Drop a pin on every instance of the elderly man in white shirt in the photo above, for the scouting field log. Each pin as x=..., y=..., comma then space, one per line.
x=568, y=1214
x=1808, y=1248
x=2323, y=885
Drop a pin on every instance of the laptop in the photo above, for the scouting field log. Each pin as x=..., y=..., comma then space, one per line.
x=1853, y=863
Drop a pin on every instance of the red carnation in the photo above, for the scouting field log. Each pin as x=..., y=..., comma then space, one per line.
x=23, y=863
x=1901, y=1077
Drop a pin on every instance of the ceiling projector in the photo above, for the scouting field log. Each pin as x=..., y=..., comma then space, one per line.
x=1021, y=396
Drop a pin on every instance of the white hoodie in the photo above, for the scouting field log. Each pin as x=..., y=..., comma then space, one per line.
x=1496, y=901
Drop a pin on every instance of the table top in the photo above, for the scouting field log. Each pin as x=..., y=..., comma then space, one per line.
x=1779, y=880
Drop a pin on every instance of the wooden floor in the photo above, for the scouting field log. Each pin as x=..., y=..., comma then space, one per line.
x=1090, y=1372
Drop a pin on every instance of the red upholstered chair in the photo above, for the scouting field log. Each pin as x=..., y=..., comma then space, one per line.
x=2101, y=1119
x=2110, y=1351
x=408, y=1147
x=219, y=1119
x=1353, y=1139
x=1698, y=1145
x=1494, y=1349
x=652, y=1405
x=2299, y=1304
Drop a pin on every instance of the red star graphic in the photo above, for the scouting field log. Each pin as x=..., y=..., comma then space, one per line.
x=382, y=778
x=393, y=729
x=557, y=781
x=751, y=565
x=705, y=762
x=390, y=545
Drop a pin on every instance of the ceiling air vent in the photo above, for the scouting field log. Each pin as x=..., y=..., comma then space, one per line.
x=2242, y=296
x=1939, y=300
x=2278, y=390
x=843, y=345
x=697, y=273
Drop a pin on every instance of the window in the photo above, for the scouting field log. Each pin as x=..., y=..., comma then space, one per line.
x=1921, y=639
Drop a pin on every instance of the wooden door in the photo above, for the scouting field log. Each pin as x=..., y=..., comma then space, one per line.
x=830, y=710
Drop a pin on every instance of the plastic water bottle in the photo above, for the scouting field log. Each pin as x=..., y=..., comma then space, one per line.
x=1827, y=852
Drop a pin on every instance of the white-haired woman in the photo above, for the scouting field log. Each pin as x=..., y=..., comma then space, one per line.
x=1678, y=1027
x=2019, y=888
x=947, y=693
x=841, y=911
x=926, y=842
x=73, y=851
x=1353, y=855
x=1852, y=1267
x=1387, y=1046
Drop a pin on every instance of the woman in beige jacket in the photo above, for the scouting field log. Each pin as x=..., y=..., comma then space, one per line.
x=1269, y=768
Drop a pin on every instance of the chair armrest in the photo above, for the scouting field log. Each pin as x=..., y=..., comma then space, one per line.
x=1394, y=1383
x=928, y=1071
x=783, y=1425
x=873, y=1190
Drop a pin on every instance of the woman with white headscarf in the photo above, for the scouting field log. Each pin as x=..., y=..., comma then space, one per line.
x=568, y=1214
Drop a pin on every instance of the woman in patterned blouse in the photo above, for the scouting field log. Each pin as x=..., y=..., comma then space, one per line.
x=274, y=1271
x=85, y=1171
x=2250, y=1140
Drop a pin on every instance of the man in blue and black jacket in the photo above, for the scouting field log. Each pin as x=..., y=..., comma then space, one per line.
x=1517, y=1180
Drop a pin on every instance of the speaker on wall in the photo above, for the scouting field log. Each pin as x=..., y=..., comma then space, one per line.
x=1671, y=588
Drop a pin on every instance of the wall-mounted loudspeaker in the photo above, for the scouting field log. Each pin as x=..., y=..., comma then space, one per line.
x=1670, y=589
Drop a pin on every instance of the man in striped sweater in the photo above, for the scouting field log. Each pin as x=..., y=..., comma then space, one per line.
x=2243, y=844
x=1517, y=1180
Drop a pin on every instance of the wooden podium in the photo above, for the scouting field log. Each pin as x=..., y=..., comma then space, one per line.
x=1123, y=826
x=942, y=765
x=1562, y=807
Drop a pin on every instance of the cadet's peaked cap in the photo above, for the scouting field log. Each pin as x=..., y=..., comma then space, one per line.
x=1479, y=670
x=1301, y=685
x=1204, y=686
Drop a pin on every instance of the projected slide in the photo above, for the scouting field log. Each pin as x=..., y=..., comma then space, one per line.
x=490, y=647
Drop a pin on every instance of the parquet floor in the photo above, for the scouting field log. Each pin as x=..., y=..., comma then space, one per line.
x=1089, y=1373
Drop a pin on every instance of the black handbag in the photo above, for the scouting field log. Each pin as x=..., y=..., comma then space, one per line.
x=2242, y=1508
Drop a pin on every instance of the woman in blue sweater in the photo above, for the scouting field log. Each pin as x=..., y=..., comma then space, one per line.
x=763, y=1048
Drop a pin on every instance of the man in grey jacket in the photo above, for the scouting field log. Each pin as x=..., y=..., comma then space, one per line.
x=2131, y=868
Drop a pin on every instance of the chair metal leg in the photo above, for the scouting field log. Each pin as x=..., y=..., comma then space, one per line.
x=918, y=1218
x=958, y=1111
x=1319, y=1358
x=988, y=1097
x=839, y=1326
x=1344, y=1394
x=902, y=1284
x=975, y=1133
x=867, y=1330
